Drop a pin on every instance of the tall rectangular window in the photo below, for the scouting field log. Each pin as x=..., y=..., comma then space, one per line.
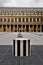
x=8, y=19
x=0, y=19
x=34, y=19
x=12, y=20
x=19, y=19
x=41, y=19
x=37, y=19
x=4, y=19
x=23, y=19
x=15, y=19
x=30, y=19
x=26, y=19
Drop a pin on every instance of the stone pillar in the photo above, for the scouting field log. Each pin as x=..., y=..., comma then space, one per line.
x=32, y=20
x=17, y=19
x=10, y=20
x=2, y=28
x=21, y=48
x=26, y=47
x=15, y=47
x=36, y=19
x=39, y=19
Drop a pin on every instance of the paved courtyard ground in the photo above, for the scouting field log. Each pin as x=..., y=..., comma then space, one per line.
x=7, y=58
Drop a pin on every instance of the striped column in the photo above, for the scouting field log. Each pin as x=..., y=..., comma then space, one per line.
x=21, y=47
x=26, y=47
x=15, y=47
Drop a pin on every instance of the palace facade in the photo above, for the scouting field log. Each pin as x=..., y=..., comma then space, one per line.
x=27, y=19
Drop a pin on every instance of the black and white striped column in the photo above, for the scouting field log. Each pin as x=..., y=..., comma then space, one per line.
x=21, y=47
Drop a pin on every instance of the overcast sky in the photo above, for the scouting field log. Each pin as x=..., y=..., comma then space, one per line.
x=21, y=3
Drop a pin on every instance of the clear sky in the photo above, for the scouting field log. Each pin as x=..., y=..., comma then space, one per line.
x=21, y=3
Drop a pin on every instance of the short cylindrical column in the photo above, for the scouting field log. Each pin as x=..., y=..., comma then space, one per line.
x=15, y=47
x=21, y=48
x=26, y=47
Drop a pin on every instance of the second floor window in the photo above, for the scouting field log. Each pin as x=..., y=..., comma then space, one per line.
x=26, y=19
x=0, y=19
x=12, y=20
x=34, y=20
x=15, y=19
x=41, y=19
x=19, y=19
x=23, y=19
x=4, y=19
x=8, y=20
x=37, y=19
x=30, y=19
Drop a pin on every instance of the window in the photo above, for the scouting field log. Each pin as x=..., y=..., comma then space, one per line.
x=37, y=12
x=15, y=19
x=37, y=19
x=41, y=13
x=12, y=20
x=8, y=20
x=26, y=19
x=0, y=19
x=41, y=19
x=30, y=19
x=19, y=19
x=4, y=19
x=34, y=20
x=23, y=19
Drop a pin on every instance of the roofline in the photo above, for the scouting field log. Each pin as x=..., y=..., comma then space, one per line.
x=22, y=7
